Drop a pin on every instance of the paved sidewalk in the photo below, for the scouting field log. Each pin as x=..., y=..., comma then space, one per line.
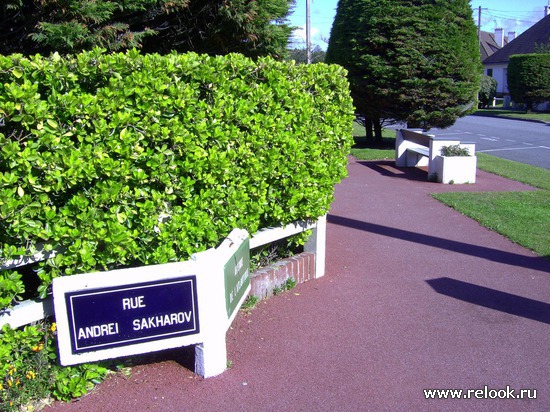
x=415, y=296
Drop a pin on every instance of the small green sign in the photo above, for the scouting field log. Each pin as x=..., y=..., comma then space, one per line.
x=237, y=277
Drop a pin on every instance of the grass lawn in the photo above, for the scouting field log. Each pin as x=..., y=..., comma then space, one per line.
x=365, y=151
x=513, y=114
x=523, y=217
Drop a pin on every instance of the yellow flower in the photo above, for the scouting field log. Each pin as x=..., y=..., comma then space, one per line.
x=12, y=370
x=1, y=386
x=38, y=348
x=53, y=328
x=30, y=375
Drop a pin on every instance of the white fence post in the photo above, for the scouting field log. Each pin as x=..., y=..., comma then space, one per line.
x=317, y=244
x=211, y=356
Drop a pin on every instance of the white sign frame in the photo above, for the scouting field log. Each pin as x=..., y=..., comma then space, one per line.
x=208, y=269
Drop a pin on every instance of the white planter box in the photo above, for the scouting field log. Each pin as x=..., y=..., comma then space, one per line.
x=456, y=169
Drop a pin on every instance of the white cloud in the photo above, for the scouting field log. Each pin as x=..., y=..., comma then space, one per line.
x=492, y=19
x=300, y=34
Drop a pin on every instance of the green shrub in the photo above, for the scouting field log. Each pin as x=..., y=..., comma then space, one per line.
x=29, y=370
x=11, y=287
x=121, y=160
x=529, y=79
x=488, y=90
x=454, y=150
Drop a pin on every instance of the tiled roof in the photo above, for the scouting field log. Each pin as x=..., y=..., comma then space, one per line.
x=524, y=43
x=487, y=44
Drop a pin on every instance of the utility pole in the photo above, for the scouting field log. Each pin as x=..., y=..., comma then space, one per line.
x=308, y=33
x=479, y=24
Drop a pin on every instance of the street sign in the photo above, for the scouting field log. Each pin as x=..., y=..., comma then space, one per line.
x=124, y=312
x=110, y=317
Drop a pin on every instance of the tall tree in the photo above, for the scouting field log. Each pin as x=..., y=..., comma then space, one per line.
x=253, y=28
x=413, y=61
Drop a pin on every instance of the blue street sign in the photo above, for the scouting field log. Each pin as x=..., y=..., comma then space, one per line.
x=117, y=316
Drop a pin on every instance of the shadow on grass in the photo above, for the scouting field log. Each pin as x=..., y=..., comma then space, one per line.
x=496, y=112
x=492, y=299
x=361, y=142
x=510, y=114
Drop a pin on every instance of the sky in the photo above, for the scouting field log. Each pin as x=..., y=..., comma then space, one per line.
x=510, y=15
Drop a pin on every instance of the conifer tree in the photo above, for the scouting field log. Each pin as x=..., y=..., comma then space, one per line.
x=412, y=61
x=254, y=28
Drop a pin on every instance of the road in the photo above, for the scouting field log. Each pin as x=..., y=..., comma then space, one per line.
x=522, y=141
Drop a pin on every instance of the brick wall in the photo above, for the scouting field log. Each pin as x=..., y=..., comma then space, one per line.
x=300, y=267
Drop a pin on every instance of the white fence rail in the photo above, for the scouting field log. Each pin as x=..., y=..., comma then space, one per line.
x=34, y=310
x=40, y=255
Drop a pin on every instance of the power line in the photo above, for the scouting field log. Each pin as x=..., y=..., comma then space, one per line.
x=520, y=22
x=511, y=11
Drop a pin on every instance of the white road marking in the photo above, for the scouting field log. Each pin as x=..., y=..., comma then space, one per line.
x=514, y=148
x=450, y=134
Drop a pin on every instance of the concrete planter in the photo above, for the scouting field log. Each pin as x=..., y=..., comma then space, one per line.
x=456, y=169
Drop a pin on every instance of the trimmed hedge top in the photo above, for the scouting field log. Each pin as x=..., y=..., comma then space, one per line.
x=131, y=159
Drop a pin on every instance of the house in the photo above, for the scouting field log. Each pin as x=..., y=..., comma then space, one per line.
x=490, y=43
x=496, y=65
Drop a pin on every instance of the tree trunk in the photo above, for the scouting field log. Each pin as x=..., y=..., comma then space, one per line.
x=368, y=129
x=377, y=131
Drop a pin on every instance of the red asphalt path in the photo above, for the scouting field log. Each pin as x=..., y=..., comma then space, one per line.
x=415, y=296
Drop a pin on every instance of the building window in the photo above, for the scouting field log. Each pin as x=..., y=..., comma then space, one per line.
x=490, y=72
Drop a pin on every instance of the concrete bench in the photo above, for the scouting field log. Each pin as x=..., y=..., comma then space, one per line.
x=416, y=149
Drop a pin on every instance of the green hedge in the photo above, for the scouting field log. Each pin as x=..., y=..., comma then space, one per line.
x=529, y=79
x=131, y=159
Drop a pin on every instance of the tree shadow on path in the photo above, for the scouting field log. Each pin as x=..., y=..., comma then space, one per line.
x=492, y=299
x=483, y=252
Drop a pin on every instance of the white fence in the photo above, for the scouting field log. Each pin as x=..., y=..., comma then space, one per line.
x=33, y=310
